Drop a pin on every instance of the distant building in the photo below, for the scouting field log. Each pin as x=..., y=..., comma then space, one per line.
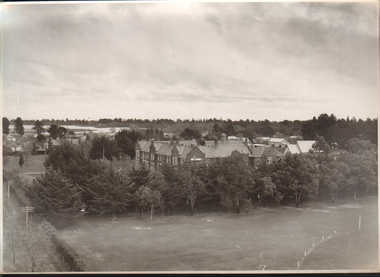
x=176, y=152
x=278, y=142
x=154, y=153
x=302, y=146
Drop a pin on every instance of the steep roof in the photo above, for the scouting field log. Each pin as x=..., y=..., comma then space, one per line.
x=164, y=148
x=183, y=150
x=293, y=149
x=257, y=151
x=142, y=143
x=305, y=145
x=144, y=146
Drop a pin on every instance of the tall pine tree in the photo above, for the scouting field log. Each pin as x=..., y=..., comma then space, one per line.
x=109, y=193
x=53, y=193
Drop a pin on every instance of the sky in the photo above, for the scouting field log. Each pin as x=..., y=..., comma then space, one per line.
x=250, y=60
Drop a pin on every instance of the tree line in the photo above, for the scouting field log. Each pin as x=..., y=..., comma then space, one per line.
x=336, y=132
x=76, y=182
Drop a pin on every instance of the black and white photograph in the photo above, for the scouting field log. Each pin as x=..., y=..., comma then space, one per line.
x=190, y=137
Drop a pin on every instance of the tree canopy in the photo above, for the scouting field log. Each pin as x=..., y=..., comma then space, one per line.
x=6, y=124
x=56, y=194
x=19, y=126
x=38, y=127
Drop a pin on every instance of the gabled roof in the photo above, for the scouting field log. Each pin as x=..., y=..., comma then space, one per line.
x=144, y=146
x=165, y=149
x=183, y=150
x=158, y=144
x=257, y=151
x=293, y=149
x=305, y=145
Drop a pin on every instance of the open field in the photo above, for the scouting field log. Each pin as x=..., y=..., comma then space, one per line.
x=33, y=164
x=226, y=241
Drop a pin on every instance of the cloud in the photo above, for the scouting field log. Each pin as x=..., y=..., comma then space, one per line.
x=230, y=55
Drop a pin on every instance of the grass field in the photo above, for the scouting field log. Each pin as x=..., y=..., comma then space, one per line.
x=226, y=241
x=33, y=164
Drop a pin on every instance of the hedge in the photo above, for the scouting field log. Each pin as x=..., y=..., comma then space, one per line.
x=69, y=256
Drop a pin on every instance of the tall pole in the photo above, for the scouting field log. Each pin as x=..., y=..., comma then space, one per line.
x=103, y=153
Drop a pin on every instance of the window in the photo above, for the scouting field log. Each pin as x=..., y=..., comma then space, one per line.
x=152, y=157
x=270, y=160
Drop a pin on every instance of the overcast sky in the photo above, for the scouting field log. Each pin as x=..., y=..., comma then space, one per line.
x=256, y=61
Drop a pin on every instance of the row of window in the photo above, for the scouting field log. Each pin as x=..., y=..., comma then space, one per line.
x=160, y=158
x=175, y=160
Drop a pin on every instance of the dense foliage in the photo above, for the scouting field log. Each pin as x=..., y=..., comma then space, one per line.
x=19, y=126
x=101, y=175
x=336, y=132
x=54, y=193
x=6, y=125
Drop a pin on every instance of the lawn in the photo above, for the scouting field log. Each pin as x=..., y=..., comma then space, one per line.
x=33, y=164
x=227, y=241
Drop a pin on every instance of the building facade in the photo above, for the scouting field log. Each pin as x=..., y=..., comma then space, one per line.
x=154, y=153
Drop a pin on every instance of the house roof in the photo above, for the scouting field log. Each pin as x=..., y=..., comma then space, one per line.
x=280, y=151
x=277, y=140
x=187, y=142
x=144, y=146
x=209, y=143
x=305, y=145
x=183, y=150
x=293, y=149
x=224, y=150
x=269, y=151
x=260, y=145
x=257, y=151
x=164, y=149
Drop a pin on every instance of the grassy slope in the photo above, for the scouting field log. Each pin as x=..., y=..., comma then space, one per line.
x=221, y=241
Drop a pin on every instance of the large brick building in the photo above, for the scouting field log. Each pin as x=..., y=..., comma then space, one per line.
x=154, y=153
